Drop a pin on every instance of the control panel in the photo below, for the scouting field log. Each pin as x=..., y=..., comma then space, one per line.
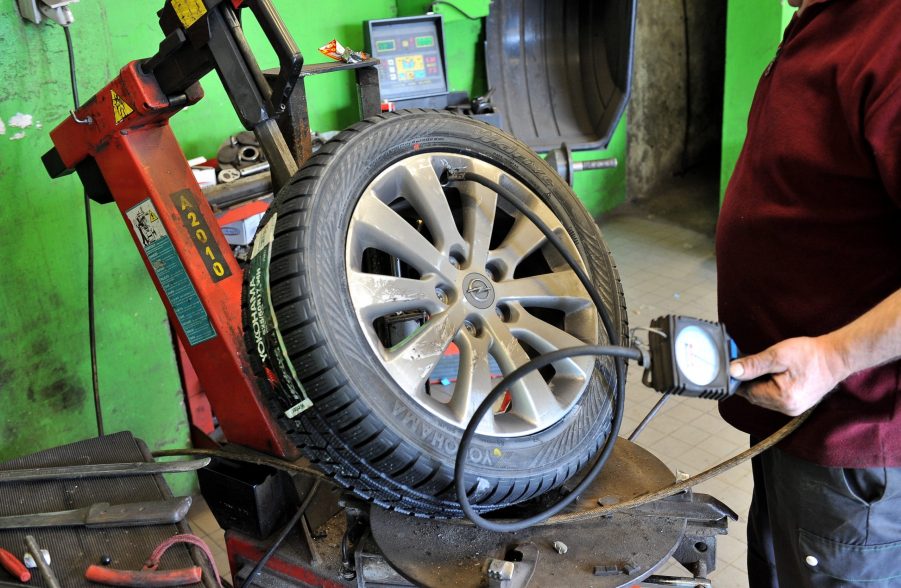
x=411, y=55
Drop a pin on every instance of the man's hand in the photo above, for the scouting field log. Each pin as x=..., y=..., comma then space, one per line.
x=801, y=371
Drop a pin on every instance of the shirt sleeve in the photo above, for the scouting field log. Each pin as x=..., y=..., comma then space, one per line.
x=882, y=128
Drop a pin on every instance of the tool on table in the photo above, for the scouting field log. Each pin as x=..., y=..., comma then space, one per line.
x=114, y=577
x=102, y=470
x=105, y=515
x=46, y=573
x=150, y=575
x=14, y=566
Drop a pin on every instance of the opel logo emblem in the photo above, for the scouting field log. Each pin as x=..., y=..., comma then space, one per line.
x=478, y=291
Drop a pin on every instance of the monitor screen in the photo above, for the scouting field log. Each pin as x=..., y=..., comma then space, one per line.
x=411, y=57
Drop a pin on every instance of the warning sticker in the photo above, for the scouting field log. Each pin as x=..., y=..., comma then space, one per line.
x=267, y=340
x=170, y=272
x=121, y=109
x=189, y=11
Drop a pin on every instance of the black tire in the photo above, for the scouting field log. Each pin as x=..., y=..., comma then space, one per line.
x=361, y=429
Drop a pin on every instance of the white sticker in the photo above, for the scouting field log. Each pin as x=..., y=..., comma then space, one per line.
x=264, y=237
x=146, y=222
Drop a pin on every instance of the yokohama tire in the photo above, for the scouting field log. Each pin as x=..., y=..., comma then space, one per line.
x=363, y=429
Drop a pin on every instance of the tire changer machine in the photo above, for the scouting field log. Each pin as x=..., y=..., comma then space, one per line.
x=123, y=149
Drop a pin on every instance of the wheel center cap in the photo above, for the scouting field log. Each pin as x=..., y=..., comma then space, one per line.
x=478, y=290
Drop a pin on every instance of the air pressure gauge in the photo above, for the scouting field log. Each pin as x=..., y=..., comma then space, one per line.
x=690, y=357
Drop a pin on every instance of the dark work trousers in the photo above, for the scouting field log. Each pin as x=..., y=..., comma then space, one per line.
x=813, y=526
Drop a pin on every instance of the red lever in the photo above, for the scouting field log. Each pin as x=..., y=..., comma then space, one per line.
x=15, y=567
x=114, y=577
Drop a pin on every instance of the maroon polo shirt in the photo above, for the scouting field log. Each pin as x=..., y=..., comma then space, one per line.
x=809, y=237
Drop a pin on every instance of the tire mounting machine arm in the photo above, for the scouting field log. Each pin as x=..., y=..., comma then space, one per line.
x=123, y=149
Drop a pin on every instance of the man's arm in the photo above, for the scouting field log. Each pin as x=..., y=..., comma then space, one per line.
x=803, y=370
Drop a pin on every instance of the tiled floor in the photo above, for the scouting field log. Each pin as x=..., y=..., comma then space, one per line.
x=665, y=269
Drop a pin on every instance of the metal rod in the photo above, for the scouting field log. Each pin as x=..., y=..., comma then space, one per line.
x=102, y=470
x=46, y=572
x=647, y=419
x=595, y=164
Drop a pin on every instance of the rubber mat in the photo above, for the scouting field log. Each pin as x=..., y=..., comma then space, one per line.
x=72, y=549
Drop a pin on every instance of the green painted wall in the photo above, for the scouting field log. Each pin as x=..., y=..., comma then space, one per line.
x=753, y=31
x=45, y=382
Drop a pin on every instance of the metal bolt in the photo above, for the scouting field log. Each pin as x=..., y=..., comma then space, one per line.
x=501, y=313
x=455, y=262
x=471, y=328
x=441, y=294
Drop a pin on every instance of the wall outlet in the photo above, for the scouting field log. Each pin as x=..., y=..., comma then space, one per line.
x=37, y=11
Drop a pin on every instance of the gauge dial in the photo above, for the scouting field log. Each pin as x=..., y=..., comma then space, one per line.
x=697, y=355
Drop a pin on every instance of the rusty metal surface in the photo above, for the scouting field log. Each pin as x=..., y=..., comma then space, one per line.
x=449, y=554
x=72, y=549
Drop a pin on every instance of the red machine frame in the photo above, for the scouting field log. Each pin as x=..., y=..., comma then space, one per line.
x=130, y=139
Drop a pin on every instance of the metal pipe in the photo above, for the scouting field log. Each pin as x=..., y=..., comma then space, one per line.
x=46, y=572
x=647, y=419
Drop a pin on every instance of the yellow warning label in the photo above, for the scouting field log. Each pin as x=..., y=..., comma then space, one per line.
x=153, y=217
x=121, y=109
x=189, y=11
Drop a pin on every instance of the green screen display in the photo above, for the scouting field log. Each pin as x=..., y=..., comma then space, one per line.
x=385, y=45
x=428, y=41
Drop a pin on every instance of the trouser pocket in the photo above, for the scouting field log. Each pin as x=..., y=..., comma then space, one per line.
x=831, y=563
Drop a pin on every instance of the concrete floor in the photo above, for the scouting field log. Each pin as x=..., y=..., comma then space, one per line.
x=665, y=269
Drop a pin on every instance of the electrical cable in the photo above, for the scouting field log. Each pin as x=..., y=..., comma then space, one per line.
x=282, y=535
x=455, y=7
x=584, y=515
x=615, y=350
x=485, y=406
x=89, y=227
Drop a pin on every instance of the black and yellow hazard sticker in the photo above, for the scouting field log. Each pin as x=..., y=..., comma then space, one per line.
x=121, y=109
x=201, y=235
x=189, y=11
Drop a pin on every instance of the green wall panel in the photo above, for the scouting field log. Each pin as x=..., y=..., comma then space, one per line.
x=45, y=376
x=753, y=31
x=45, y=381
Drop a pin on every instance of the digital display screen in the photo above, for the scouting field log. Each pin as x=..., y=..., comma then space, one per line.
x=385, y=46
x=411, y=60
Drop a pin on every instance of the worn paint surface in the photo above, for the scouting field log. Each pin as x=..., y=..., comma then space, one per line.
x=753, y=31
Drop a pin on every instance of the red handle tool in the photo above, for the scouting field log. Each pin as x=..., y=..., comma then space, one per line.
x=15, y=567
x=114, y=577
